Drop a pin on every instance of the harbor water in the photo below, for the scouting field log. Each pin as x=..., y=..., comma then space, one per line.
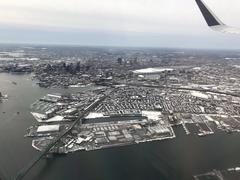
x=176, y=159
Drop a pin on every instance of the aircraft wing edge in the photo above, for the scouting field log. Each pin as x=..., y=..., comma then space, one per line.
x=213, y=21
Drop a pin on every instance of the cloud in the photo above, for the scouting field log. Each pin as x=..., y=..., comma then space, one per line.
x=153, y=18
x=113, y=14
x=134, y=15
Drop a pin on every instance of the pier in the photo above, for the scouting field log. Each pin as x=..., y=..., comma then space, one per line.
x=20, y=175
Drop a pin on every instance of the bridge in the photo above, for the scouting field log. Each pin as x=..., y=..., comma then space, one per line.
x=22, y=173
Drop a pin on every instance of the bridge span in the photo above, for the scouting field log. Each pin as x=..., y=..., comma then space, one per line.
x=22, y=173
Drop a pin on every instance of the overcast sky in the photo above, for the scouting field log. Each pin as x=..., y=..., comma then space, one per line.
x=163, y=23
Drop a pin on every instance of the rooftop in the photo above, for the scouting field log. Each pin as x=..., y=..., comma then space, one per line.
x=151, y=70
x=48, y=128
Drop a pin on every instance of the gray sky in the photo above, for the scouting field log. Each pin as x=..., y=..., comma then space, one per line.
x=164, y=23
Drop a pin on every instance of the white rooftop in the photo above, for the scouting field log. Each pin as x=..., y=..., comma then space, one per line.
x=54, y=95
x=152, y=115
x=151, y=70
x=55, y=118
x=48, y=128
x=94, y=115
x=197, y=68
x=38, y=116
x=199, y=94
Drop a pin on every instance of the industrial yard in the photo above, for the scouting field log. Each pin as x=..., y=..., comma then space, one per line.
x=130, y=115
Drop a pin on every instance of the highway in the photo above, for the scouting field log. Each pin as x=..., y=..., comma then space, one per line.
x=20, y=175
x=183, y=88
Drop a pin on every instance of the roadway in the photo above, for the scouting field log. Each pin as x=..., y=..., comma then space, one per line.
x=183, y=88
x=21, y=174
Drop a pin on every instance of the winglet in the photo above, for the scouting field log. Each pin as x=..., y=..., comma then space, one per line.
x=210, y=17
x=212, y=20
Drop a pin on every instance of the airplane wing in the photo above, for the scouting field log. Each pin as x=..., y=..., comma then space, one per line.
x=213, y=21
